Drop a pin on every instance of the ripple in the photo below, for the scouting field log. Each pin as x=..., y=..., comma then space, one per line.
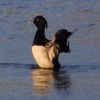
x=87, y=11
x=12, y=11
x=17, y=65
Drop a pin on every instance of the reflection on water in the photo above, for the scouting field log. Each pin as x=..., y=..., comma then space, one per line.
x=44, y=80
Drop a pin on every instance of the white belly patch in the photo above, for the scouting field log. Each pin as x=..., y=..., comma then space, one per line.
x=41, y=57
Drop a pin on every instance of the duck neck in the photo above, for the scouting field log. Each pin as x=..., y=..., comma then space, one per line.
x=39, y=38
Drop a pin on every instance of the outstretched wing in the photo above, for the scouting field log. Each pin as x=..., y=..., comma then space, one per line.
x=61, y=38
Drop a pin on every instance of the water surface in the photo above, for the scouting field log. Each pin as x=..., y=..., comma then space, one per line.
x=27, y=82
x=17, y=30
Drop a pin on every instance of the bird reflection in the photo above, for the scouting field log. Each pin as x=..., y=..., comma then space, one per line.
x=44, y=80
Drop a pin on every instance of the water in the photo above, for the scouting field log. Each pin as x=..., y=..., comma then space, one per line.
x=27, y=82
x=78, y=78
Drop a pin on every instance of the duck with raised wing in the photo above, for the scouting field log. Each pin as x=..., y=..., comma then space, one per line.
x=46, y=52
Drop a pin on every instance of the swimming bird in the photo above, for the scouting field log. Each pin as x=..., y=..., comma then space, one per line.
x=46, y=52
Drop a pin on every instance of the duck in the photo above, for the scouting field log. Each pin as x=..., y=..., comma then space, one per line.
x=46, y=52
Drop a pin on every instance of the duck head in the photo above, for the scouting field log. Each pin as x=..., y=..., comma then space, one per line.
x=40, y=22
x=61, y=37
